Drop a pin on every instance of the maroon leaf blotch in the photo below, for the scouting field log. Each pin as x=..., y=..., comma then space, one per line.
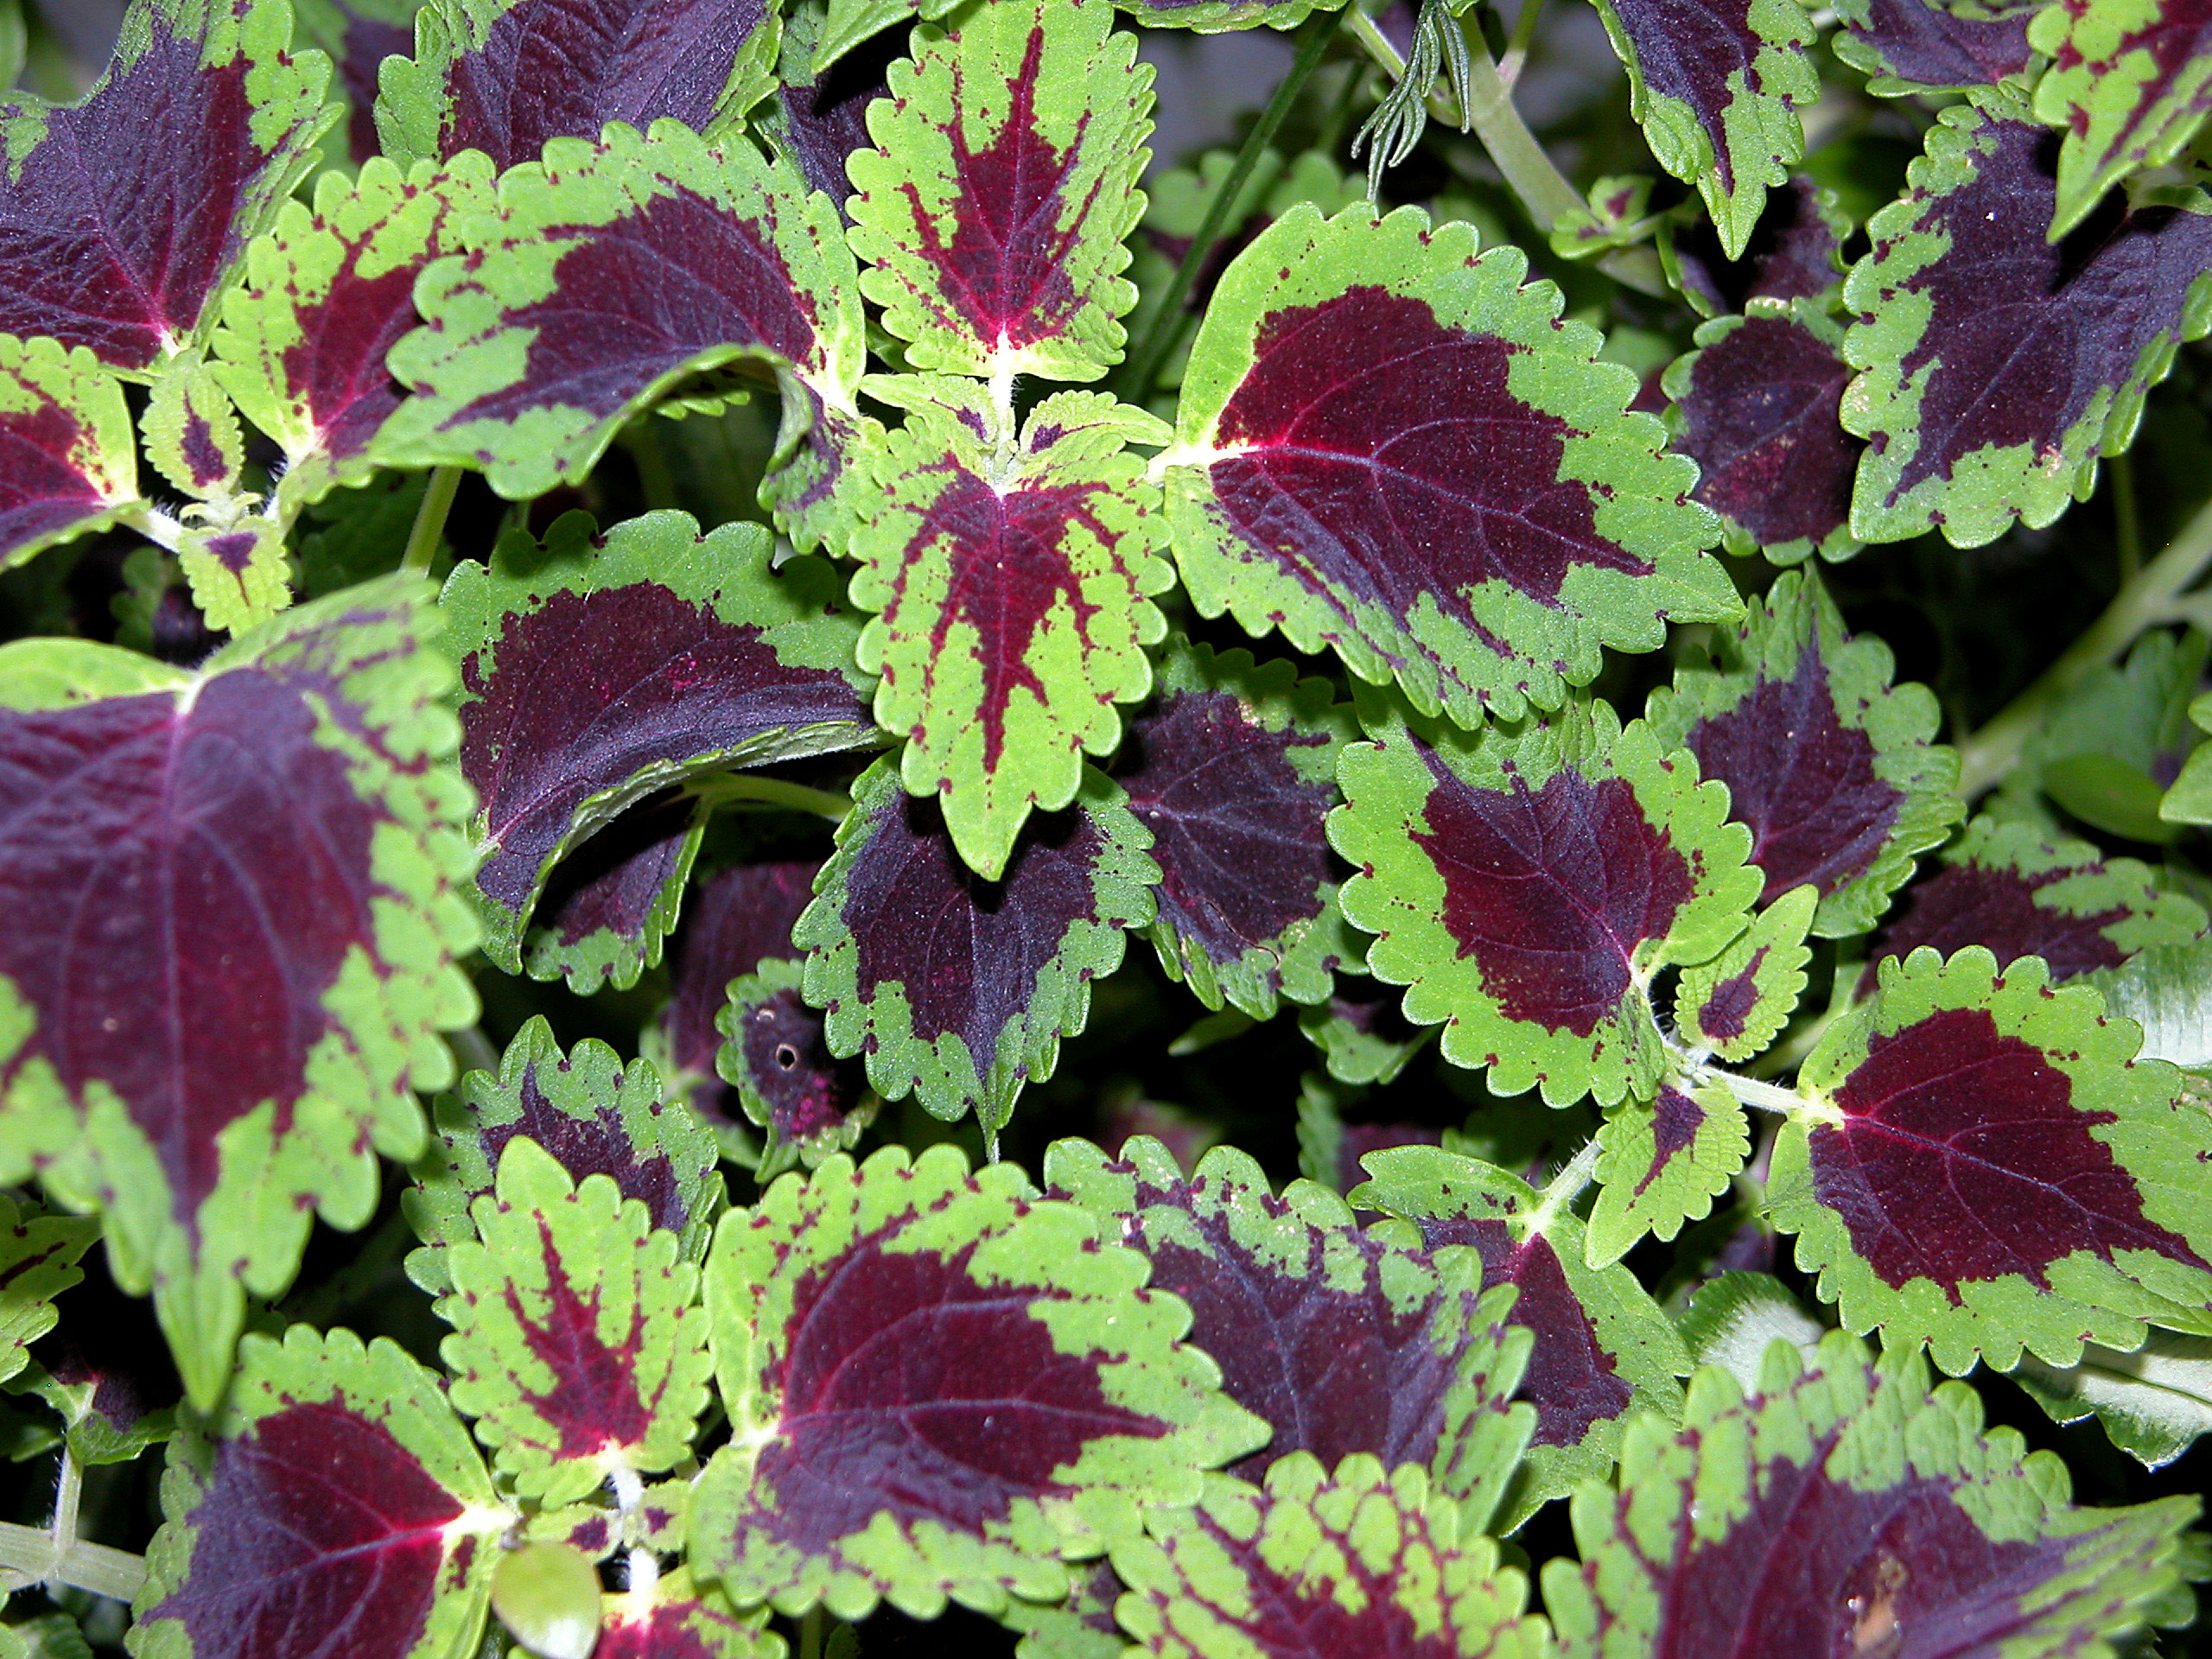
x=1802, y=781
x=1962, y=1158
x=1760, y=420
x=788, y=1058
x=1935, y=46
x=320, y=1537
x=1675, y=1120
x=1388, y=460
x=911, y=1389
x=1552, y=890
x=118, y=224
x=182, y=889
x=1239, y=836
x=1688, y=50
x=598, y=1145
x=1729, y=1004
x=614, y=881
x=825, y=119
x=565, y=68
x=1287, y=1620
x=42, y=490
x=594, y=1401
x=1977, y=903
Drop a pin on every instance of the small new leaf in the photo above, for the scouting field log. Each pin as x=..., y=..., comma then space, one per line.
x=38, y=1262
x=1734, y=1004
x=1660, y=1163
x=1013, y=583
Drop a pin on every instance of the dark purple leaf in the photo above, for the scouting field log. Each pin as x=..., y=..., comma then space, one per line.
x=2020, y=894
x=1758, y=405
x=778, y=1059
x=1235, y=783
x=608, y=908
x=565, y=68
x=820, y=118
x=603, y=670
x=127, y=211
x=1950, y=1122
x=1552, y=891
x=1911, y=45
x=1791, y=255
x=320, y=1537
x=740, y=919
x=1341, y=1341
x=368, y=43
x=1992, y=357
x=953, y=984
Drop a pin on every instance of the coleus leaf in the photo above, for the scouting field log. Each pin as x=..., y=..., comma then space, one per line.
x=123, y=216
x=820, y=114
x=335, y=1506
x=701, y=657
x=1755, y=405
x=68, y=463
x=592, y=1115
x=994, y=211
x=674, y=1620
x=1233, y=766
x=1318, y=1564
x=1713, y=85
x=1792, y=253
x=1828, y=762
x=548, y=1597
x=578, y=1346
x=737, y=920
x=608, y=907
x=2154, y=1403
x=1842, y=1508
x=1734, y=1004
x=276, y=835
x=2019, y=893
x=1908, y=47
x=1389, y=446
x=1996, y=366
x=1958, y=1095
x=326, y=294
x=1013, y=580
x=1364, y=1036
x=105, y=1372
x=2128, y=85
x=236, y=570
x=938, y=1385
x=959, y=990
x=38, y=1262
x=1079, y=1626
x=1343, y=1339
x=1525, y=884
x=1603, y=1349
x=777, y=1056
x=1660, y=1163
x=566, y=317
x=503, y=76
x=191, y=430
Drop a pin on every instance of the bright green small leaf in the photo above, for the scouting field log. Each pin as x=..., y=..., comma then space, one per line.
x=38, y=1262
x=2110, y=739
x=192, y=430
x=237, y=571
x=1660, y=1163
x=1734, y=1004
x=547, y=1595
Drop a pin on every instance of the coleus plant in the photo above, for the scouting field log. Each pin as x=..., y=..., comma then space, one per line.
x=1431, y=616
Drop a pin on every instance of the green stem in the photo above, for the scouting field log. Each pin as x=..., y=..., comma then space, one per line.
x=731, y=786
x=2150, y=597
x=56, y=1555
x=810, y=1633
x=431, y=518
x=1562, y=1189
x=1762, y=1097
x=2127, y=522
x=655, y=478
x=1142, y=367
x=1516, y=48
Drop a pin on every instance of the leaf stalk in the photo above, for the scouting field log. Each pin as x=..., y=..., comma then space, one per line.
x=430, y=519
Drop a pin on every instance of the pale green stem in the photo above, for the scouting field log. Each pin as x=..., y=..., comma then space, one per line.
x=2126, y=522
x=1562, y=1189
x=1516, y=48
x=31, y=1556
x=156, y=527
x=2150, y=597
x=1142, y=365
x=430, y=519
x=733, y=786
x=1763, y=1096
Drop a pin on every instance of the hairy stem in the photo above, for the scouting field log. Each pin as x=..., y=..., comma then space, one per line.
x=1563, y=1189
x=56, y=1555
x=431, y=518
x=1141, y=367
x=1762, y=1097
x=2152, y=596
